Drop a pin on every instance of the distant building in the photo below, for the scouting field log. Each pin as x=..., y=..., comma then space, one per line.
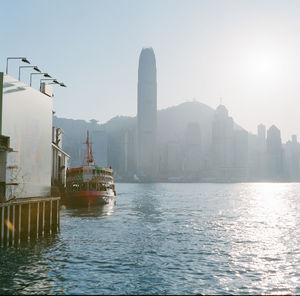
x=100, y=147
x=114, y=155
x=240, y=159
x=261, y=134
x=292, y=156
x=261, y=150
x=147, y=115
x=172, y=159
x=257, y=155
x=128, y=153
x=222, y=150
x=193, y=158
x=274, y=154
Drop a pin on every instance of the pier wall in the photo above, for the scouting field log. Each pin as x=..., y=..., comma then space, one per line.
x=26, y=118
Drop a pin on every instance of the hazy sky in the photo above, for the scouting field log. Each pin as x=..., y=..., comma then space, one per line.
x=247, y=52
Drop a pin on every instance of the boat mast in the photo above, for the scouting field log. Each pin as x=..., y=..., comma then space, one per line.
x=88, y=154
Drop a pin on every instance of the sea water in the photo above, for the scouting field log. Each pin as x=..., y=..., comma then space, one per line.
x=168, y=239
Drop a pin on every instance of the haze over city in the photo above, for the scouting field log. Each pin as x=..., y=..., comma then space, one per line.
x=246, y=53
x=150, y=147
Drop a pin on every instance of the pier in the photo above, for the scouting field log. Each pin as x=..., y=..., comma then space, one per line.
x=26, y=219
x=32, y=161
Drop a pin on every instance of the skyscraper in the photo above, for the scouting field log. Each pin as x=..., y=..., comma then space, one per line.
x=274, y=154
x=292, y=155
x=147, y=115
x=261, y=151
x=222, y=150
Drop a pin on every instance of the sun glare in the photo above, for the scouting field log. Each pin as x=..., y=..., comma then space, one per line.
x=264, y=64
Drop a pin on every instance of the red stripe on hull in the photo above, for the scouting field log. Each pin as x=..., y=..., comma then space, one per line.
x=91, y=197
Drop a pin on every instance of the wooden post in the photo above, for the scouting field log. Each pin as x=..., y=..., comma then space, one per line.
x=20, y=223
x=57, y=215
x=2, y=226
x=43, y=229
x=37, y=219
x=50, y=222
x=7, y=224
x=13, y=222
x=29, y=216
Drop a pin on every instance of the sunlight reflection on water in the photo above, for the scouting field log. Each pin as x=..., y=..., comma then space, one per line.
x=169, y=239
x=263, y=237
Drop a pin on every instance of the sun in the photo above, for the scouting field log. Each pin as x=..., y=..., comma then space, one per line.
x=264, y=64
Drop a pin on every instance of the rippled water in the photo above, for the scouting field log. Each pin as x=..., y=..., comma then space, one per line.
x=168, y=239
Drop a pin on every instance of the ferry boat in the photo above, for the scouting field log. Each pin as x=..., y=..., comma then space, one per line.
x=90, y=184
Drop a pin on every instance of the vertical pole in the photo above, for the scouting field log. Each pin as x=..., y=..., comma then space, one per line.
x=1, y=92
x=37, y=219
x=7, y=66
x=20, y=223
x=57, y=215
x=13, y=222
x=43, y=229
x=29, y=216
x=50, y=216
x=2, y=226
x=8, y=212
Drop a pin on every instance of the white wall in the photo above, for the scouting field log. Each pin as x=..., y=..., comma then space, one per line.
x=27, y=120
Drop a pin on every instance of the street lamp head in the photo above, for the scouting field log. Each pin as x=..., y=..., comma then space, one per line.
x=62, y=84
x=55, y=81
x=36, y=69
x=47, y=75
x=25, y=60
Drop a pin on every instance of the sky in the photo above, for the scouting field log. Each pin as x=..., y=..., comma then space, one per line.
x=245, y=52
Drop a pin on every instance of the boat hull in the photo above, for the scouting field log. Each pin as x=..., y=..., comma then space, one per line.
x=89, y=197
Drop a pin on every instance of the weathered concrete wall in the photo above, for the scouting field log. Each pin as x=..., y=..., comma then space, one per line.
x=27, y=120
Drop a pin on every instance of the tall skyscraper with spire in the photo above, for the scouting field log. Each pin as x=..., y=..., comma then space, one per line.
x=147, y=115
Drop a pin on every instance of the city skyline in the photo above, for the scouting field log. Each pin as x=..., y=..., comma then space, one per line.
x=246, y=53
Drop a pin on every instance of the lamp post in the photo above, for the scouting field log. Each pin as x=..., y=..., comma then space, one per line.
x=23, y=59
x=54, y=81
x=34, y=68
x=45, y=75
